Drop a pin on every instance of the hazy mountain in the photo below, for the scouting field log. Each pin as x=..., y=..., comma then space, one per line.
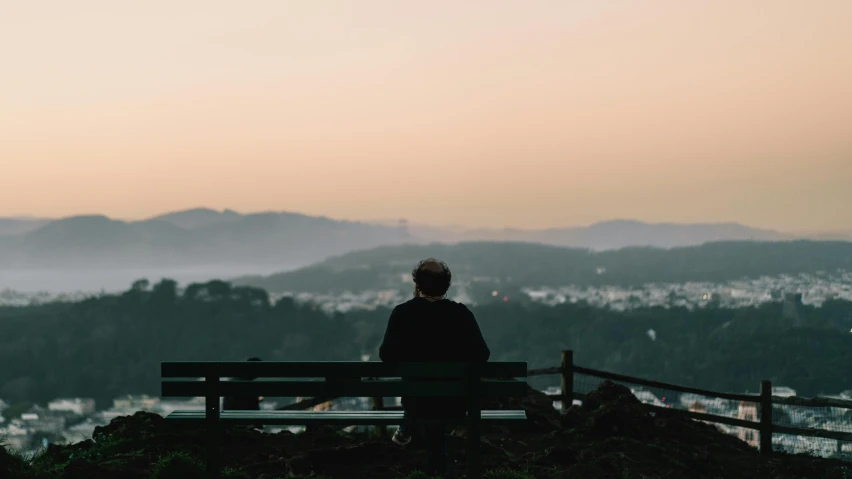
x=94, y=252
x=529, y=264
x=607, y=235
x=14, y=226
x=832, y=236
x=199, y=217
x=190, y=238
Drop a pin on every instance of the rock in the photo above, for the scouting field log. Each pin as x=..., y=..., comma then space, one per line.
x=9, y=462
x=608, y=393
x=141, y=424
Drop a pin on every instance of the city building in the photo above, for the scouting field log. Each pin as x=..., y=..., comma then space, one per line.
x=783, y=391
x=136, y=403
x=78, y=406
x=747, y=411
x=34, y=421
x=699, y=408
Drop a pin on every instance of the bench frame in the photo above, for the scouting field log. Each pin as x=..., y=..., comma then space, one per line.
x=342, y=379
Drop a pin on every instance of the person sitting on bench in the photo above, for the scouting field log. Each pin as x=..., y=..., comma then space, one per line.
x=430, y=327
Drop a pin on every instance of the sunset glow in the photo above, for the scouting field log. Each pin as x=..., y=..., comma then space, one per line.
x=497, y=113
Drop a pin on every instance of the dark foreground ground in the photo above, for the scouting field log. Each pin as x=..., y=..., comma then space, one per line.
x=610, y=437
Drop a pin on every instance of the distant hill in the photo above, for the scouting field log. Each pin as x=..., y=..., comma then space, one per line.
x=199, y=217
x=531, y=264
x=14, y=226
x=190, y=238
x=228, y=243
x=832, y=236
x=609, y=235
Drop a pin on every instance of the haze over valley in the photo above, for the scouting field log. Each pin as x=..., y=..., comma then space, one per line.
x=94, y=252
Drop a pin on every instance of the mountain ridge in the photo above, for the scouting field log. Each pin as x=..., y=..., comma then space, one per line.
x=536, y=264
x=187, y=238
x=205, y=236
x=611, y=234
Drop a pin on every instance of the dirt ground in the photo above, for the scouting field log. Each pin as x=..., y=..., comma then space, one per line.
x=610, y=436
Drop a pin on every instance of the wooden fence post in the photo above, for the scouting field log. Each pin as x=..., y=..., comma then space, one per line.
x=765, y=418
x=567, y=379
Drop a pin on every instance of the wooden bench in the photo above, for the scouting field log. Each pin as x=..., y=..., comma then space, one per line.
x=341, y=379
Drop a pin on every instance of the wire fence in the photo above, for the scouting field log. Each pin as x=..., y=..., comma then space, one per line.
x=809, y=418
x=797, y=423
x=821, y=418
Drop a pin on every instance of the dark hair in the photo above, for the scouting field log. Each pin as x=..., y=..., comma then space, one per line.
x=432, y=277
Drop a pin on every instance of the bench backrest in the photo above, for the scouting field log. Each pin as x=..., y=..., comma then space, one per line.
x=343, y=379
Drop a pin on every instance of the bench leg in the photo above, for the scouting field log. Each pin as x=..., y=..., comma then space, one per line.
x=214, y=456
x=379, y=405
x=474, y=455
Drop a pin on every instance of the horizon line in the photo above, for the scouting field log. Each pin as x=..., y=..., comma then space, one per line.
x=390, y=221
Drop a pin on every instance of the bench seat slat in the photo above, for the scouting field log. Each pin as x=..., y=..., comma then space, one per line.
x=303, y=369
x=365, y=388
x=353, y=418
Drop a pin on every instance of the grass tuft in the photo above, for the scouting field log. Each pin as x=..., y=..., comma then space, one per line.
x=490, y=474
x=178, y=465
x=507, y=474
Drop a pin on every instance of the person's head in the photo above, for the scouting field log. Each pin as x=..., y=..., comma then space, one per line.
x=431, y=278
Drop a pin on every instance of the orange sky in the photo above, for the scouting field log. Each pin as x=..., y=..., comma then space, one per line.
x=485, y=113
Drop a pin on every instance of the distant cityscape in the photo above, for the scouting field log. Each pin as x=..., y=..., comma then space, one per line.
x=814, y=289
x=72, y=420
x=804, y=289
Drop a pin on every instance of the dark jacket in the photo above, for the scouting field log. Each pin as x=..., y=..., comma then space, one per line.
x=242, y=403
x=423, y=330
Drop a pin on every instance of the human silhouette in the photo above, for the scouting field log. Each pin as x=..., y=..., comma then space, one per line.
x=430, y=327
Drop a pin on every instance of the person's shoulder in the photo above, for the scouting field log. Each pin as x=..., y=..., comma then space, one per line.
x=410, y=302
x=461, y=307
x=457, y=304
x=404, y=305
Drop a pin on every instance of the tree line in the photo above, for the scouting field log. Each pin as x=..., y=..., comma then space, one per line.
x=112, y=345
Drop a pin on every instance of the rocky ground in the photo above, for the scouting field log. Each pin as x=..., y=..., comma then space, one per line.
x=610, y=436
